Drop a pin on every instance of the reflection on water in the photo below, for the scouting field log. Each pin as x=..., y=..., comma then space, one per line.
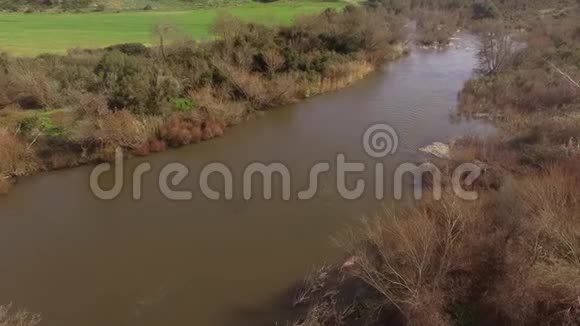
x=81, y=261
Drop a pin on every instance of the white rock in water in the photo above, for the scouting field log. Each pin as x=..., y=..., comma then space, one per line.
x=437, y=149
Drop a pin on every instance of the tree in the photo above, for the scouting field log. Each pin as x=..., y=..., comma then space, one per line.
x=163, y=34
x=496, y=49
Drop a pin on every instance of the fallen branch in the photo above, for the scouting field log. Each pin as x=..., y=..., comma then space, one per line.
x=570, y=79
x=33, y=141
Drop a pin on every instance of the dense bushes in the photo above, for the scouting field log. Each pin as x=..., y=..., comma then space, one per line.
x=435, y=28
x=146, y=81
x=512, y=256
x=133, y=83
x=32, y=5
x=79, y=107
x=535, y=92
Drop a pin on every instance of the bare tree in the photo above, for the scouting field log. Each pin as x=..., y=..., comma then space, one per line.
x=162, y=33
x=496, y=50
x=228, y=26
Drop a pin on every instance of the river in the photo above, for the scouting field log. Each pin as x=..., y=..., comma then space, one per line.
x=79, y=260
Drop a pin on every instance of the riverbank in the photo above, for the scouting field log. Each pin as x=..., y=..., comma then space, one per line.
x=184, y=252
x=65, y=111
x=511, y=256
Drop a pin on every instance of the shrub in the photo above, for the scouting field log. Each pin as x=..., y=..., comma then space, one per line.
x=16, y=158
x=258, y=90
x=123, y=78
x=135, y=84
x=181, y=130
x=496, y=50
x=118, y=129
x=92, y=105
x=134, y=49
x=544, y=278
x=484, y=9
x=435, y=27
x=271, y=61
x=184, y=104
x=514, y=252
x=28, y=84
x=75, y=5
x=218, y=107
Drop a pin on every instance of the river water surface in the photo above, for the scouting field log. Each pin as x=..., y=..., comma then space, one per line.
x=78, y=260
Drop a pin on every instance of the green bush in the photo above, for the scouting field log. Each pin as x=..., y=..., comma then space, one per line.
x=123, y=79
x=48, y=127
x=184, y=104
x=40, y=123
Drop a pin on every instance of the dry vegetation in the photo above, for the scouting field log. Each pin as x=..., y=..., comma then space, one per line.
x=9, y=317
x=61, y=111
x=513, y=256
x=510, y=258
x=436, y=28
x=17, y=158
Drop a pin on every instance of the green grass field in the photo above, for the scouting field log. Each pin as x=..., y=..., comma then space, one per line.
x=33, y=34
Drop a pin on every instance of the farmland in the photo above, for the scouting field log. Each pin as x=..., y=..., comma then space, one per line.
x=35, y=33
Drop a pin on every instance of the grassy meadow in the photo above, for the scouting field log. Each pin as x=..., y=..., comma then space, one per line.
x=36, y=33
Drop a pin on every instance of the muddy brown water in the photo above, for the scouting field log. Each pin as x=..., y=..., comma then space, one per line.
x=79, y=260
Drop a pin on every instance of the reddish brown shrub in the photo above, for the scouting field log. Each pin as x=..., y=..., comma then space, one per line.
x=212, y=129
x=181, y=130
x=156, y=146
x=142, y=150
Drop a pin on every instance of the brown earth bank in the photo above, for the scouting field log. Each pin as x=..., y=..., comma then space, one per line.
x=512, y=256
x=64, y=111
